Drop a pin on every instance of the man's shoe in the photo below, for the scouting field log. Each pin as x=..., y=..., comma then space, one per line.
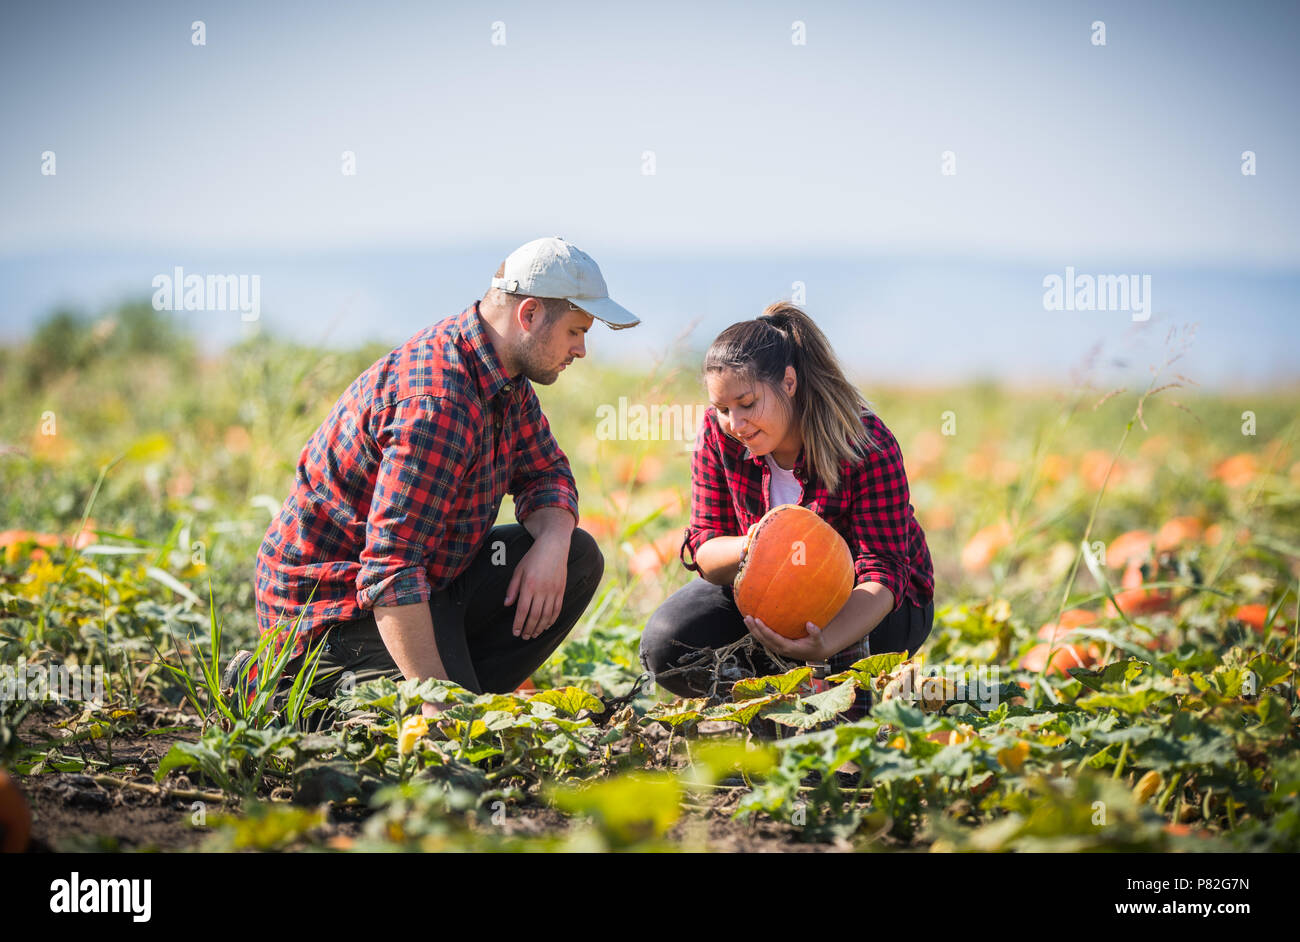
x=236, y=669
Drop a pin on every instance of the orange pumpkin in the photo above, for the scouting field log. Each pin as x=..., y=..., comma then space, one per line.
x=19, y=537
x=1135, y=600
x=1063, y=658
x=1237, y=471
x=15, y=818
x=797, y=570
x=1254, y=616
x=1178, y=531
x=652, y=557
x=601, y=526
x=978, y=554
x=1214, y=535
x=1074, y=618
x=1135, y=545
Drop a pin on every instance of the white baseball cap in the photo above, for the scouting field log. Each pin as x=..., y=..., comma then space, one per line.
x=553, y=268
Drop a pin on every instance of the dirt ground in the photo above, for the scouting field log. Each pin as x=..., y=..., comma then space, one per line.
x=127, y=811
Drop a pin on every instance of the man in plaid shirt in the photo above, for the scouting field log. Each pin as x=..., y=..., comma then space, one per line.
x=386, y=546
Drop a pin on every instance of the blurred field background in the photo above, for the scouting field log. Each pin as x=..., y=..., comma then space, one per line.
x=211, y=443
x=139, y=477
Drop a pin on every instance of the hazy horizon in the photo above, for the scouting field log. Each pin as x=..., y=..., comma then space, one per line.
x=920, y=169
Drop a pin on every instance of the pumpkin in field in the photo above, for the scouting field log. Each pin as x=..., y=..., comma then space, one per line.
x=1064, y=657
x=1135, y=545
x=601, y=526
x=1178, y=532
x=1214, y=535
x=15, y=818
x=797, y=570
x=16, y=543
x=1069, y=620
x=978, y=554
x=1136, y=600
x=1237, y=471
x=1255, y=615
x=652, y=557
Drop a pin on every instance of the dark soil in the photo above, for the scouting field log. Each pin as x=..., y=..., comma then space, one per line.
x=119, y=807
x=115, y=808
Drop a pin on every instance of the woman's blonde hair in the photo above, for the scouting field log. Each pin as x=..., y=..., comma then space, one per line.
x=828, y=408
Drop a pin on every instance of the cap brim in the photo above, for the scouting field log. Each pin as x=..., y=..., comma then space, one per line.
x=611, y=312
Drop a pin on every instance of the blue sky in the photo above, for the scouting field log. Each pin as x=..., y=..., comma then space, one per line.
x=1117, y=158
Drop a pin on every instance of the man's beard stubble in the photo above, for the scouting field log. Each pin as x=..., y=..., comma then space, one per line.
x=535, y=369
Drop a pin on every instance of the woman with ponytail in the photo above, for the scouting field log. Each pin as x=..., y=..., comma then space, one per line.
x=786, y=426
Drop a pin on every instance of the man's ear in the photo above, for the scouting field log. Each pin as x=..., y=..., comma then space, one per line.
x=528, y=314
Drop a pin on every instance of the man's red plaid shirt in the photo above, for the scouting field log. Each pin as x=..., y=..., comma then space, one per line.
x=396, y=491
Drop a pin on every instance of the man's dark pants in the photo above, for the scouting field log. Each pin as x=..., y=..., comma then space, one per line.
x=472, y=625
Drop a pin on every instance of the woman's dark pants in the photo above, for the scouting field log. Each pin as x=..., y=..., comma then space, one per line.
x=704, y=615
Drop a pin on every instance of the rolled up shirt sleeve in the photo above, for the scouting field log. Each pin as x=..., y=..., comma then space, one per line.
x=712, y=512
x=424, y=446
x=540, y=475
x=880, y=519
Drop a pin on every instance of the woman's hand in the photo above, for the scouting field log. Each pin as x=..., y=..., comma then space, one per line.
x=744, y=547
x=811, y=648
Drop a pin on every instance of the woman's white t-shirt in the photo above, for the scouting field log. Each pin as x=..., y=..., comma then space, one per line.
x=784, y=487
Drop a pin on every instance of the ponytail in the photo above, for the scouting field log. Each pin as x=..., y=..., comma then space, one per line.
x=827, y=406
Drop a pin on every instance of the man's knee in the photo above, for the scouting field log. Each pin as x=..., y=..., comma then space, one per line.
x=586, y=561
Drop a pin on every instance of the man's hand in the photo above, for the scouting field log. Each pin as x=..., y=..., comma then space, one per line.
x=538, y=584
x=428, y=709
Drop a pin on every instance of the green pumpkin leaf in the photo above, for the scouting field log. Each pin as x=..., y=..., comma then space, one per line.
x=715, y=759
x=678, y=712
x=741, y=712
x=1269, y=670
x=1115, y=674
x=788, y=682
x=570, y=700
x=1274, y=715
x=870, y=667
x=1132, y=702
x=815, y=710
x=899, y=713
x=627, y=809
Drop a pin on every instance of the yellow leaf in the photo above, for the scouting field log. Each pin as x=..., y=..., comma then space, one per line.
x=1014, y=757
x=1147, y=786
x=413, y=728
